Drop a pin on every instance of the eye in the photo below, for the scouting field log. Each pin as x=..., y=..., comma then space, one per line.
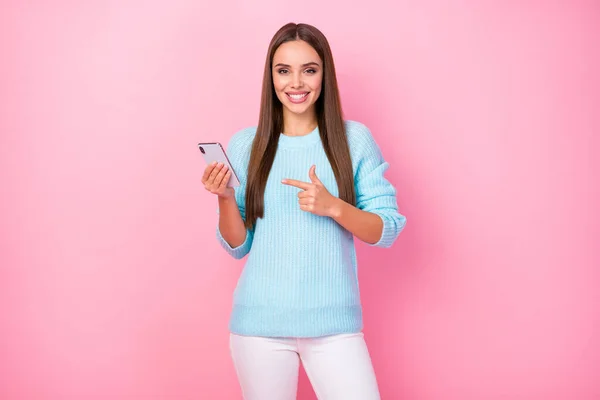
x=282, y=71
x=311, y=71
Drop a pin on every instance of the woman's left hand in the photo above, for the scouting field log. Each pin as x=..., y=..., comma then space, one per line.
x=314, y=197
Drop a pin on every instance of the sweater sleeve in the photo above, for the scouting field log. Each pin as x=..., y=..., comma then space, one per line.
x=374, y=193
x=238, y=152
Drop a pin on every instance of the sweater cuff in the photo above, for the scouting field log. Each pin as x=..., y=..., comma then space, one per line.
x=391, y=229
x=239, y=251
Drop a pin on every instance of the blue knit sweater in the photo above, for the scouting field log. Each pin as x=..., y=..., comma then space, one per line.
x=300, y=277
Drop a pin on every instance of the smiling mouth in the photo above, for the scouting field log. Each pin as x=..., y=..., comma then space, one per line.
x=297, y=97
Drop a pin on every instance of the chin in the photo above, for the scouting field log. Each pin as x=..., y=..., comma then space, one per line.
x=298, y=109
x=294, y=108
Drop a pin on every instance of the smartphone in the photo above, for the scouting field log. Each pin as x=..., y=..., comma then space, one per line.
x=215, y=152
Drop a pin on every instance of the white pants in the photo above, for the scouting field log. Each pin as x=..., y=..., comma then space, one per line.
x=338, y=367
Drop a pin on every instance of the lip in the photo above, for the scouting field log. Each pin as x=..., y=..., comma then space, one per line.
x=297, y=101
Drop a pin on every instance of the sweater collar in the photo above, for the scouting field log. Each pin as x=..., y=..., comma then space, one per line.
x=309, y=139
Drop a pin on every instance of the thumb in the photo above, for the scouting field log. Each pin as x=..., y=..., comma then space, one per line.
x=313, y=175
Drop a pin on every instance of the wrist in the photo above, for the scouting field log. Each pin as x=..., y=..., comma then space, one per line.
x=225, y=200
x=336, y=209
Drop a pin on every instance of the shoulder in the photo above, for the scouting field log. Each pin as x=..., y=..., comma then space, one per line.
x=240, y=144
x=360, y=140
x=239, y=148
x=242, y=139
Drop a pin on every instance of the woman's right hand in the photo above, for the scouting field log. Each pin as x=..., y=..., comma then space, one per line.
x=215, y=180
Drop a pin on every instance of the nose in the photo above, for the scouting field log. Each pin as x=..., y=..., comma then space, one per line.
x=297, y=80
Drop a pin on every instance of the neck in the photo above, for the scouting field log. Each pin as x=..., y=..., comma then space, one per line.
x=299, y=124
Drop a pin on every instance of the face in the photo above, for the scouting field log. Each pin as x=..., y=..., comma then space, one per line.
x=297, y=76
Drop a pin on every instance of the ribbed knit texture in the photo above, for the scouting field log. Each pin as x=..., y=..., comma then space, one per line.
x=300, y=276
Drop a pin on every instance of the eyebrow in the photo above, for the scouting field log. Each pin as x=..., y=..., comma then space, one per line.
x=303, y=65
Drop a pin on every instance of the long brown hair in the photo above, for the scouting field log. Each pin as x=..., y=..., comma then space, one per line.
x=270, y=125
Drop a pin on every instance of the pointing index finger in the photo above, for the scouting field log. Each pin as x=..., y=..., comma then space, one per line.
x=298, y=184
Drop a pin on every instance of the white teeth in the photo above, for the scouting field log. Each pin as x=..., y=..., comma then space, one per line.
x=298, y=96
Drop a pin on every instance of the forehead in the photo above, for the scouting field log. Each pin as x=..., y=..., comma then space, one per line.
x=296, y=53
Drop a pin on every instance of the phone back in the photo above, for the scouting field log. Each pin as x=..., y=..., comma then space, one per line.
x=212, y=152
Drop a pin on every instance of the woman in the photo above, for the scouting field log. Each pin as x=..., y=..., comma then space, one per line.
x=310, y=182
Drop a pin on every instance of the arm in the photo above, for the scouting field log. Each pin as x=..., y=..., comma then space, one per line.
x=231, y=224
x=375, y=219
x=366, y=226
x=231, y=231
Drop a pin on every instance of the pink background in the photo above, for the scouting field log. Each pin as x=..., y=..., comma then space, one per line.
x=112, y=285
